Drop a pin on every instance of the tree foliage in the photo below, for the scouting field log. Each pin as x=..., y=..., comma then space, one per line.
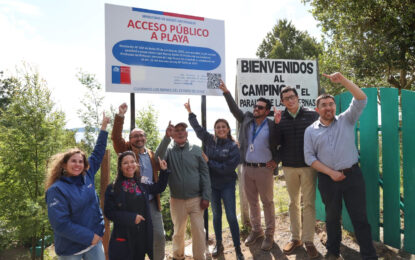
x=284, y=41
x=7, y=88
x=91, y=112
x=31, y=130
x=147, y=120
x=373, y=39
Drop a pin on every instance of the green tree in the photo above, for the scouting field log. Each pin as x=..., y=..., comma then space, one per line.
x=7, y=88
x=284, y=41
x=373, y=40
x=91, y=112
x=31, y=130
x=147, y=119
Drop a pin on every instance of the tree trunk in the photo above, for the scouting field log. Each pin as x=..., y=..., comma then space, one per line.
x=33, y=248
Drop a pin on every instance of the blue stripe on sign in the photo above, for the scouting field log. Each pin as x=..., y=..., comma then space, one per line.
x=116, y=74
x=135, y=9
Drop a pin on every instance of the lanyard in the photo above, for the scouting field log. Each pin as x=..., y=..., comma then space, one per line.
x=255, y=133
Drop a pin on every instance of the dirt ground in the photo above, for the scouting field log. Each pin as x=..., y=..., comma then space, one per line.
x=349, y=248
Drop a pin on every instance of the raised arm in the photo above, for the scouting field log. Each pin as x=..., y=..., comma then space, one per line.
x=120, y=145
x=201, y=133
x=98, y=153
x=360, y=99
x=162, y=148
x=337, y=77
x=233, y=107
x=161, y=184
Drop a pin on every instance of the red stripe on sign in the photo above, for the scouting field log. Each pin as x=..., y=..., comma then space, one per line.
x=121, y=239
x=125, y=75
x=184, y=16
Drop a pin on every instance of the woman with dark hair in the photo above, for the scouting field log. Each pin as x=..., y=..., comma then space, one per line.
x=222, y=156
x=73, y=205
x=127, y=205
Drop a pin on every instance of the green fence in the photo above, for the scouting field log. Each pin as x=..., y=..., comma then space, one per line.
x=386, y=143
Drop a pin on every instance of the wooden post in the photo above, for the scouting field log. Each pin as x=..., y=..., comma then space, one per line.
x=205, y=214
x=132, y=110
x=105, y=180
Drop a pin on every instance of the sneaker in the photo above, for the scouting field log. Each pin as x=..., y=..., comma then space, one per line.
x=267, y=243
x=239, y=255
x=311, y=250
x=217, y=250
x=293, y=244
x=253, y=236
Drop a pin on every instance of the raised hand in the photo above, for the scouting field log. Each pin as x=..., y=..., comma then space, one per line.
x=187, y=106
x=169, y=130
x=277, y=115
x=336, y=77
x=222, y=86
x=163, y=164
x=105, y=121
x=122, y=109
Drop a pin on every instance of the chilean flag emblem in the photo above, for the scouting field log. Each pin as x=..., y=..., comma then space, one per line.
x=121, y=75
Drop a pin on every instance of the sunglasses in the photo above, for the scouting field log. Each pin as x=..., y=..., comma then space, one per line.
x=259, y=107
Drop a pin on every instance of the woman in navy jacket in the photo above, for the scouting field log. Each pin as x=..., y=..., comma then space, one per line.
x=127, y=205
x=222, y=156
x=73, y=205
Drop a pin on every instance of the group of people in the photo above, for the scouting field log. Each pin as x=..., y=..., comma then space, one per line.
x=310, y=145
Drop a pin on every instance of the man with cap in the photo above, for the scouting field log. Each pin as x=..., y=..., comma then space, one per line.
x=149, y=168
x=189, y=189
x=259, y=156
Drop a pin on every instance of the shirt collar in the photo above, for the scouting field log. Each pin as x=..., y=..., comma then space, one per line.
x=323, y=125
x=294, y=115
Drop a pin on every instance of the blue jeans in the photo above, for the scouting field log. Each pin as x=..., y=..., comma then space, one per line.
x=227, y=194
x=95, y=253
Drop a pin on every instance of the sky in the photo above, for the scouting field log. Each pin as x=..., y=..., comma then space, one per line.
x=61, y=37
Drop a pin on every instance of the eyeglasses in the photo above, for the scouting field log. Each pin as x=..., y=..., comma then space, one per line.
x=259, y=107
x=292, y=97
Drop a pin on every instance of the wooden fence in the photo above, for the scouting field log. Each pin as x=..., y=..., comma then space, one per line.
x=386, y=144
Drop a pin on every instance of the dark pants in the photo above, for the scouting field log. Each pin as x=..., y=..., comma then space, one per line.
x=352, y=190
x=227, y=194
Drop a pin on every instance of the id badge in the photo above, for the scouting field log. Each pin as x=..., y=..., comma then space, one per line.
x=251, y=147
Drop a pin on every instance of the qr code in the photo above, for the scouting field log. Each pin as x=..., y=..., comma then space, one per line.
x=213, y=80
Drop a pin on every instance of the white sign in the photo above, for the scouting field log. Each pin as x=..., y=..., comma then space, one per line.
x=265, y=78
x=151, y=51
